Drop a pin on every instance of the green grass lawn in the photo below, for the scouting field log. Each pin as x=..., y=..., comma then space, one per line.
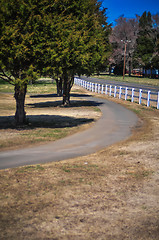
x=40, y=87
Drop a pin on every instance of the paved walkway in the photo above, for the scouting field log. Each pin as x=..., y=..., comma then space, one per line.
x=114, y=125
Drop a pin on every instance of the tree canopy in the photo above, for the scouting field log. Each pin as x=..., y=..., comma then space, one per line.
x=50, y=37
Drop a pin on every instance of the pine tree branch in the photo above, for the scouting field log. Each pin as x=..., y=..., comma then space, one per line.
x=5, y=77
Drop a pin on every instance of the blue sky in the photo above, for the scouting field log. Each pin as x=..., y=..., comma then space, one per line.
x=129, y=8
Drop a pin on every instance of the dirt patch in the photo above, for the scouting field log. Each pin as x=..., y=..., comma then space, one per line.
x=112, y=194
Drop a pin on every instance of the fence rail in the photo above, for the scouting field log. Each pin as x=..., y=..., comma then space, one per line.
x=146, y=97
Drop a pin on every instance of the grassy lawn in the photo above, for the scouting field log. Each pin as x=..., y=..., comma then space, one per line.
x=133, y=79
x=48, y=119
x=40, y=87
x=110, y=195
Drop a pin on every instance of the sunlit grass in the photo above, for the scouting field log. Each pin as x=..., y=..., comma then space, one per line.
x=45, y=123
x=25, y=137
x=38, y=87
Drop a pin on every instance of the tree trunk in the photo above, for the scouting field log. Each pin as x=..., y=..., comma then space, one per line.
x=129, y=68
x=67, y=85
x=19, y=95
x=110, y=68
x=66, y=91
x=59, y=86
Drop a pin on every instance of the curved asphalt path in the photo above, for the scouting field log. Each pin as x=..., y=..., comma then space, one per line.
x=114, y=125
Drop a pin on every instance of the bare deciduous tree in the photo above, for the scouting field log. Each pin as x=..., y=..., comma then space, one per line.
x=125, y=29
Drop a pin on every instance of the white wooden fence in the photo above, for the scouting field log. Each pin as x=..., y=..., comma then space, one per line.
x=146, y=97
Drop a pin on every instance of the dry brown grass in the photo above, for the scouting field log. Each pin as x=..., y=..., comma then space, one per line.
x=112, y=194
x=48, y=121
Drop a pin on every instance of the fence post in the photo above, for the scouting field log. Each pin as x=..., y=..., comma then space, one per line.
x=148, y=98
x=90, y=86
x=102, y=88
x=95, y=87
x=115, y=91
x=98, y=88
x=140, y=96
x=132, y=95
x=106, y=89
x=158, y=101
x=126, y=93
x=120, y=92
x=110, y=90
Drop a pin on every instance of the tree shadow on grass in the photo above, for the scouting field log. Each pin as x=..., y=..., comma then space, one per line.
x=55, y=95
x=74, y=103
x=43, y=121
x=43, y=96
x=44, y=104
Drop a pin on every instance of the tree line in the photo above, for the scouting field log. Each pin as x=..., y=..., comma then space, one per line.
x=141, y=36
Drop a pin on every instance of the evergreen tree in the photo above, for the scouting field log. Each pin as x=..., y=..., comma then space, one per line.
x=60, y=38
x=22, y=42
x=155, y=59
x=83, y=45
x=145, y=42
